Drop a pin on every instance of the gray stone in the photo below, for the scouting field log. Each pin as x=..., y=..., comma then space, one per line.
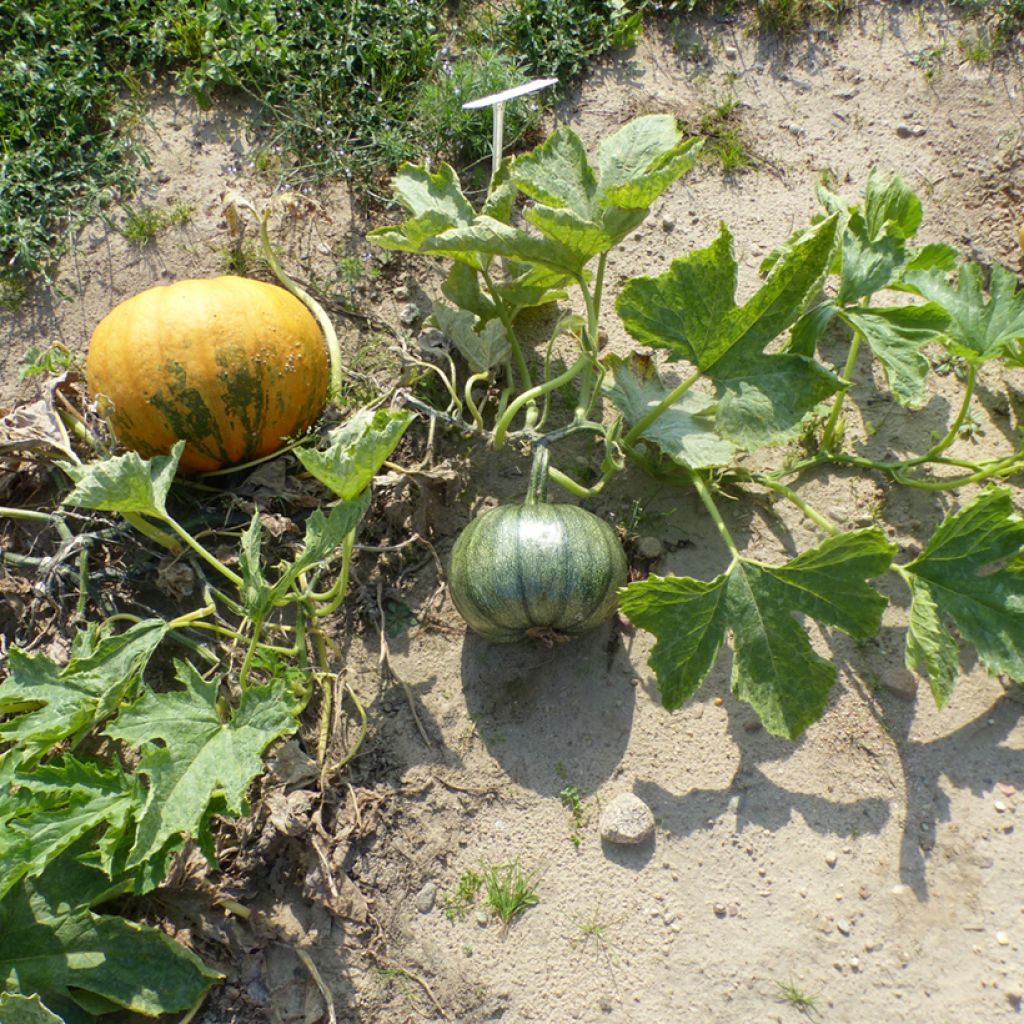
x=425, y=898
x=626, y=819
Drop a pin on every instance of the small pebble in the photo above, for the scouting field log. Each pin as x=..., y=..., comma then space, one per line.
x=410, y=314
x=668, y=223
x=718, y=702
x=1002, y=938
x=731, y=53
x=481, y=918
x=719, y=909
x=831, y=858
x=843, y=926
x=1000, y=806
x=650, y=548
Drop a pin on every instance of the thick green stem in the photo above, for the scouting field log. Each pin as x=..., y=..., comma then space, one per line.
x=790, y=495
x=636, y=431
x=506, y=320
x=709, y=503
x=954, y=430
x=211, y=560
x=537, y=490
x=250, y=653
x=501, y=427
x=337, y=593
x=154, y=533
x=567, y=483
x=828, y=436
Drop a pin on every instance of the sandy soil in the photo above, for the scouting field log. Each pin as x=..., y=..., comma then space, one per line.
x=875, y=865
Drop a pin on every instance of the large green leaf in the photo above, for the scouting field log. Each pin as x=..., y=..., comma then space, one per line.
x=82, y=964
x=124, y=483
x=971, y=572
x=54, y=806
x=691, y=311
x=774, y=669
x=435, y=202
x=642, y=159
x=978, y=330
x=685, y=432
x=200, y=754
x=49, y=703
x=17, y=1009
x=557, y=174
x=493, y=238
x=896, y=335
x=356, y=450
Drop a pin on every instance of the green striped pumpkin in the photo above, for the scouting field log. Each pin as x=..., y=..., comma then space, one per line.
x=521, y=570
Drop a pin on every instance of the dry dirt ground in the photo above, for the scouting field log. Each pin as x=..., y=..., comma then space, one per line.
x=874, y=866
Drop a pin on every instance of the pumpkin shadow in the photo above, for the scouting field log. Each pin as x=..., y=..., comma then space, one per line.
x=552, y=716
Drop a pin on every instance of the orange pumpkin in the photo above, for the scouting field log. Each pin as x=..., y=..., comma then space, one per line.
x=229, y=365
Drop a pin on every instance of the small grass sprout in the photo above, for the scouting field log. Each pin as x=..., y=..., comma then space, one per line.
x=571, y=799
x=458, y=904
x=796, y=997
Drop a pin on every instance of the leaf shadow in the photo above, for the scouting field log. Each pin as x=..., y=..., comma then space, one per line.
x=752, y=796
x=973, y=757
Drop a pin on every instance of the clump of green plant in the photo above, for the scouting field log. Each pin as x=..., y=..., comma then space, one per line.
x=458, y=904
x=754, y=378
x=54, y=359
x=794, y=996
x=723, y=139
x=143, y=223
x=573, y=802
x=509, y=890
x=103, y=779
x=788, y=17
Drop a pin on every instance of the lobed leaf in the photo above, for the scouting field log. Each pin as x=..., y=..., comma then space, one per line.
x=977, y=330
x=484, y=346
x=49, y=704
x=18, y=1009
x=685, y=432
x=124, y=483
x=81, y=964
x=971, y=572
x=55, y=805
x=775, y=669
x=356, y=450
x=691, y=311
x=896, y=335
x=199, y=755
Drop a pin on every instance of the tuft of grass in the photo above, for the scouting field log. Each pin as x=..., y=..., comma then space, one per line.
x=724, y=141
x=144, y=223
x=459, y=903
x=790, y=17
x=789, y=993
x=509, y=890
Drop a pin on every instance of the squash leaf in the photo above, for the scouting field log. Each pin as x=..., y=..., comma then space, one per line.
x=18, y=1009
x=896, y=335
x=685, y=432
x=971, y=573
x=49, y=704
x=977, y=330
x=189, y=752
x=356, y=450
x=54, y=806
x=435, y=203
x=691, y=311
x=774, y=669
x=124, y=483
x=483, y=345
x=79, y=964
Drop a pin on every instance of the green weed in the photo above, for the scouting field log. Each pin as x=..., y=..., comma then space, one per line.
x=571, y=799
x=509, y=890
x=144, y=223
x=459, y=903
x=789, y=993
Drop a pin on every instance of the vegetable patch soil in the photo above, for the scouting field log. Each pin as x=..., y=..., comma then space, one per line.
x=868, y=871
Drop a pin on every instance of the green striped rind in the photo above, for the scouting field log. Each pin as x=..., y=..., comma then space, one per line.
x=519, y=567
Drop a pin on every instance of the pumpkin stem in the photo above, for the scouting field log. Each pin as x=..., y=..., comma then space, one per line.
x=537, y=491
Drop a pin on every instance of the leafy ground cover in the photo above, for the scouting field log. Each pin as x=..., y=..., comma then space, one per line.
x=348, y=89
